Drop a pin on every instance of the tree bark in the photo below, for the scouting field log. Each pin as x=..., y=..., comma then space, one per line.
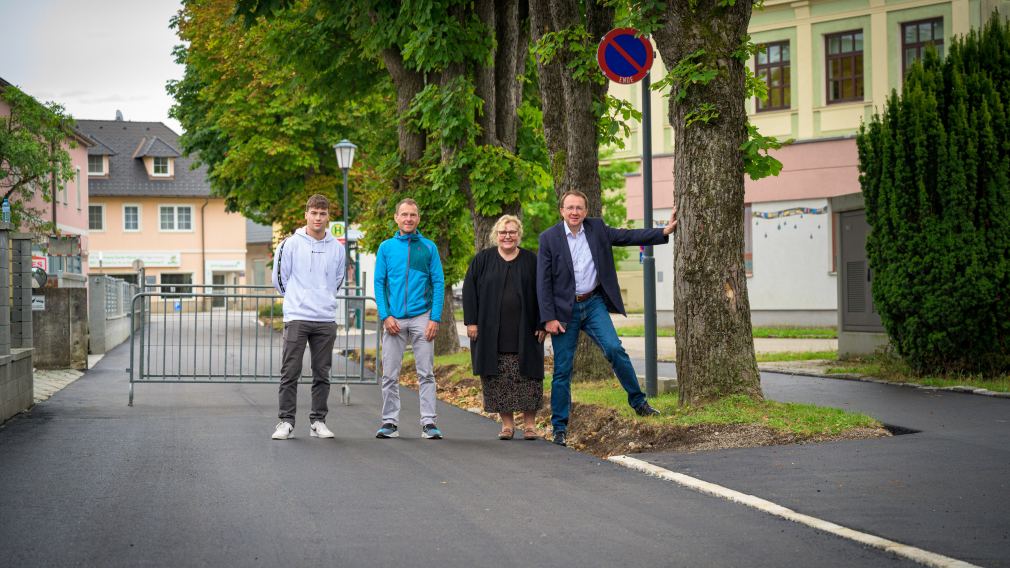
x=499, y=86
x=410, y=143
x=571, y=115
x=715, y=348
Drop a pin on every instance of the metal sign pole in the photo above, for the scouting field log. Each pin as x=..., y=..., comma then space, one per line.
x=648, y=261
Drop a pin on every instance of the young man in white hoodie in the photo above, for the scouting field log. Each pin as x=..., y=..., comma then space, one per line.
x=308, y=271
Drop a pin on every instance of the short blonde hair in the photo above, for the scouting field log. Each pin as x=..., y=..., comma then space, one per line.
x=500, y=224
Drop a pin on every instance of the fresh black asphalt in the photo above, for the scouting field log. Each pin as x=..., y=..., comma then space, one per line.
x=189, y=477
x=945, y=489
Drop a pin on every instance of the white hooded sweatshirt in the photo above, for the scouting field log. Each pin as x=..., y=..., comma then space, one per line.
x=308, y=273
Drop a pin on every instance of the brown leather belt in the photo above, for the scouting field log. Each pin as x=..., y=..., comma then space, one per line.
x=586, y=296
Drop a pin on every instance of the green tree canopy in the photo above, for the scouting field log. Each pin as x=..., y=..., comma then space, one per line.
x=935, y=174
x=32, y=153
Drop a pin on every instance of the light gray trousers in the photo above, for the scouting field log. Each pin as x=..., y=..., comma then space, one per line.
x=393, y=346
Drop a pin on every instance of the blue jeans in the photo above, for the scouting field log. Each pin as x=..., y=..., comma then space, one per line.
x=590, y=316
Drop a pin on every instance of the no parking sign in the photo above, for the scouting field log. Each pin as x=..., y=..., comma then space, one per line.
x=624, y=56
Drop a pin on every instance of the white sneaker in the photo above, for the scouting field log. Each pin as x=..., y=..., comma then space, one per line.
x=283, y=431
x=319, y=430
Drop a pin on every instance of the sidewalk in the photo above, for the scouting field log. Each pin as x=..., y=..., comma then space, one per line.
x=666, y=347
x=48, y=382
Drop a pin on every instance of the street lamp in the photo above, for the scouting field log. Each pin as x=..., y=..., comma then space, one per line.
x=345, y=158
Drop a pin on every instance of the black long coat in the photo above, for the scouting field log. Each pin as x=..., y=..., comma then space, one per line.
x=482, y=292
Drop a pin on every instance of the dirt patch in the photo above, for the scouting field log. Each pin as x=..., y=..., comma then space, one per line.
x=604, y=432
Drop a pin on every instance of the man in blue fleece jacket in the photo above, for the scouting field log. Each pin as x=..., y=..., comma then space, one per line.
x=409, y=288
x=308, y=271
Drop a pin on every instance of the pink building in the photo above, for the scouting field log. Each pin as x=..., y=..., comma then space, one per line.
x=68, y=212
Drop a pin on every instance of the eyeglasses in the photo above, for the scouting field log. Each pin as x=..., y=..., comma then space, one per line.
x=507, y=233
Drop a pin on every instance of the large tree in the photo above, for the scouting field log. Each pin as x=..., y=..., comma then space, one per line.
x=578, y=116
x=705, y=46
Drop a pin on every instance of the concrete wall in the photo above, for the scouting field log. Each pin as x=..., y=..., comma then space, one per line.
x=16, y=380
x=16, y=384
x=61, y=330
x=108, y=326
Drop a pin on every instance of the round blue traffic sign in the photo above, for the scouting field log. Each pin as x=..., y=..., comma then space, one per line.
x=624, y=55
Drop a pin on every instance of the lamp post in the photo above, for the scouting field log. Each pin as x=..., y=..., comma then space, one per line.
x=345, y=158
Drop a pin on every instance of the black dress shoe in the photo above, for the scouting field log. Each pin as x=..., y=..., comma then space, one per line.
x=560, y=439
x=646, y=410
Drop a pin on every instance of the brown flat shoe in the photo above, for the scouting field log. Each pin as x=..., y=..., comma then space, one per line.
x=530, y=434
x=505, y=434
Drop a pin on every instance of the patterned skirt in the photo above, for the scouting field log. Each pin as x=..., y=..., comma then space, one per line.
x=508, y=391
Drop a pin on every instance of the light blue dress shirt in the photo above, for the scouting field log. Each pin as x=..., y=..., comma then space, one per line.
x=582, y=260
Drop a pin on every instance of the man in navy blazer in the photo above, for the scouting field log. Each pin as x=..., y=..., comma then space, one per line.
x=577, y=290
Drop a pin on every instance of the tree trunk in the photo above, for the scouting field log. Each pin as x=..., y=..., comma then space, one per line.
x=499, y=86
x=447, y=340
x=410, y=143
x=570, y=127
x=715, y=348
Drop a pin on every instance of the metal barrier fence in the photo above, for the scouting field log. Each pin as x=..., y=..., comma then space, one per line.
x=219, y=335
x=118, y=293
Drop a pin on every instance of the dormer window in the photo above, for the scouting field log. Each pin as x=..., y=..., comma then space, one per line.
x=160, y=166
x=96, y=165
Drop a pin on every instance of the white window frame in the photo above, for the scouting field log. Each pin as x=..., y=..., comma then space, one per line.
x=102, y=207
x=154, y=166
x=78, y=180
x=175, y=218
x=101, y=173
x=139, y=216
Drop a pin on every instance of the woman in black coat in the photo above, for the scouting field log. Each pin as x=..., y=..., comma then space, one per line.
x=503, y=323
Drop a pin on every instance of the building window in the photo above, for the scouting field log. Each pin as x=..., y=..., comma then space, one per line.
x=175, y=280
x=772, y=67
x=131, y=217
x=916, y=36
x=77, y=179
x=96, y=165
x=96, y=217
x=161, y=166
x=845, y=66
x=176, y=218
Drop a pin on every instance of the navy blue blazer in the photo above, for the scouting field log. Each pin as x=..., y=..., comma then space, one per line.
x=556, y=273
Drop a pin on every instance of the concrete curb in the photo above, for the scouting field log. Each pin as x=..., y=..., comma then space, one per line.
x=864, y=379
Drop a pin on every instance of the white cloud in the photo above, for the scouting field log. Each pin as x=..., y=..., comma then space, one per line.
x=92, y=57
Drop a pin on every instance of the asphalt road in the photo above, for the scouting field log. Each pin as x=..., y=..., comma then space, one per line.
x=190, y=477
x=945, y=489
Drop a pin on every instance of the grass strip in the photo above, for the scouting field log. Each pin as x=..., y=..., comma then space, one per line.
x=804, y=419
x=797, y=356
x=891, y=368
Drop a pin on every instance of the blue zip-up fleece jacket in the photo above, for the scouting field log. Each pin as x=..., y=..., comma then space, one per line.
x=308, y=273
x=408, y=277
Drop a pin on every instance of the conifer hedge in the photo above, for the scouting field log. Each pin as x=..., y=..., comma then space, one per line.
x=935, y=175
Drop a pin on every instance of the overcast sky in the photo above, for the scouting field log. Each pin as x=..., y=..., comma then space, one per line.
x=92, y=56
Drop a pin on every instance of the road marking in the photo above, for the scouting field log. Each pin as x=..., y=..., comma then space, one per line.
x=912, y=553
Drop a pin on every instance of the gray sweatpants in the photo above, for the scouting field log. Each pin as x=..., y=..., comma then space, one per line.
x=393, y=346
x=320, y=336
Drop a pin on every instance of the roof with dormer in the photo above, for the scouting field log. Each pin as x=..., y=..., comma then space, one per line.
x=129, y=143
x=155, y=147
